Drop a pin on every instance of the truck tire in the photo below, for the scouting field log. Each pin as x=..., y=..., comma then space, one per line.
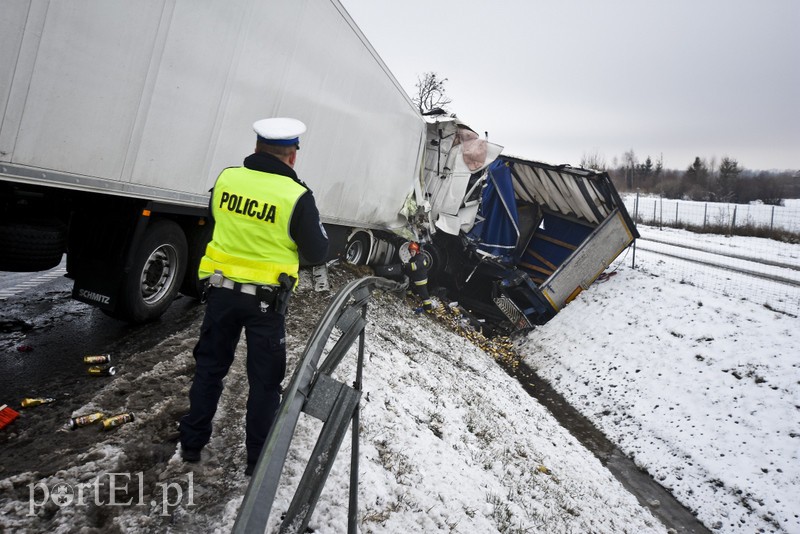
x=357, y=250
x=33, y=246
x=436, y=262
x=156, y=274
x=192, y=286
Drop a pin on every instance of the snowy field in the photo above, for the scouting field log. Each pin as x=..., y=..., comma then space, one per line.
x=699, y=388
x=761, y=271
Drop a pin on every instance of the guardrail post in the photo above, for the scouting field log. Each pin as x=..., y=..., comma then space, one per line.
x=319, y=465
x=352, y=512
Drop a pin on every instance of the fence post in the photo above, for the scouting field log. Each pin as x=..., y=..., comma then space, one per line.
x=733, y=222
x=772, y=218
x=661, y=212
x=677, y=203
x=705, y=215
x=635, y=218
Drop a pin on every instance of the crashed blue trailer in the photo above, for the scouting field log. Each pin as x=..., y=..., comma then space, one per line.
x=543, y=234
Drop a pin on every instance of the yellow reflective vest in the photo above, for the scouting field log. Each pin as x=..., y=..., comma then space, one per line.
x=251, y=242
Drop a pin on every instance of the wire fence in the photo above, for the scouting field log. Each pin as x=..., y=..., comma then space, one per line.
x=660, y=212
x=722, y=252
x=760, y=270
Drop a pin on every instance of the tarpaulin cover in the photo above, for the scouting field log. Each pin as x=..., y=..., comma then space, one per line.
x=498, y=230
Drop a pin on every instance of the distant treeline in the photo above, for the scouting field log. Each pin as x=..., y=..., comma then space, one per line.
x=709, y=181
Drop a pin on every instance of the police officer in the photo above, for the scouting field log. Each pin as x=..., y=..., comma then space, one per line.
x=264, y=217
x=417, y=270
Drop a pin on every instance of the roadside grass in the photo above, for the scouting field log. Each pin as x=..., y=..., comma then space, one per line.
x=750, y=229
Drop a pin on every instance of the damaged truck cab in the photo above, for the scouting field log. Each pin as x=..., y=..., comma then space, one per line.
x=515, y=240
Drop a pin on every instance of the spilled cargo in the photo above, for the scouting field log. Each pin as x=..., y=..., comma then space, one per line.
x=97, y=359
x=102, y=370
x=37, y=401
x=118, y=420
x=85, y=420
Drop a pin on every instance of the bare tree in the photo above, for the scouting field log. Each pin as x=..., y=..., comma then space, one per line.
x=430, y=93
x=594, y=161
x=630, y=162
x=712, y=167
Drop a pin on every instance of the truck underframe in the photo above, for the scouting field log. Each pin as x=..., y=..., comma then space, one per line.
x=129, y=257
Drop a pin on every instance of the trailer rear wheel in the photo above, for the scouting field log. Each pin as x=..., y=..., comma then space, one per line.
x=156, y=274
x=31, y=246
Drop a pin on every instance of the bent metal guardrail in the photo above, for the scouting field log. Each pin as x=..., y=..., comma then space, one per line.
x=313, y=391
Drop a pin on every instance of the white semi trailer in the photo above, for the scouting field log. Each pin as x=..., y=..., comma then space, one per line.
x=117, y=117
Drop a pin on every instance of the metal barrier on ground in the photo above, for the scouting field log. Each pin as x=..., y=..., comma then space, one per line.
x=313, y=391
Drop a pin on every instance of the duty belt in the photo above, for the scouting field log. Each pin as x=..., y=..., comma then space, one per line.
x=217, y=280
x=275, y=296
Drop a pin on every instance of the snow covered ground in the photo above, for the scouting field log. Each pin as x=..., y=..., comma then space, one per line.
x=701, y=389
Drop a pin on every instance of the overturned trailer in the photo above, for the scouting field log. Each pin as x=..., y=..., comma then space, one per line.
x=525, y=238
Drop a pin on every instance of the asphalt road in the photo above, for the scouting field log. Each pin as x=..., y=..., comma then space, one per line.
x=44, y=335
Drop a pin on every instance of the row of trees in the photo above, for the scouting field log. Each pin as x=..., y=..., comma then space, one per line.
x=703, y=180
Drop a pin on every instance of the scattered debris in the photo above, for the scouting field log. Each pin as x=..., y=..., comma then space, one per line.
x=30, y=402
x=97, y=359
x=7, y=415
x=500, y=348
x=102, y=370
x=85, y=420
x=604, y=277
x=118, y=420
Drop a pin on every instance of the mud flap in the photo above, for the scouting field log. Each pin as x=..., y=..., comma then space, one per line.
x=101, y=292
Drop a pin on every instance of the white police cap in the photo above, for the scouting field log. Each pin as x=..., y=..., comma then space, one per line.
x=279, y=131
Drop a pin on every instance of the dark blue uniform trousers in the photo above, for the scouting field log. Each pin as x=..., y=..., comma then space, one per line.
x=227, y=312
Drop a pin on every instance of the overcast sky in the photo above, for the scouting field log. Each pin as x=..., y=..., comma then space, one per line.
x=556, y=80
